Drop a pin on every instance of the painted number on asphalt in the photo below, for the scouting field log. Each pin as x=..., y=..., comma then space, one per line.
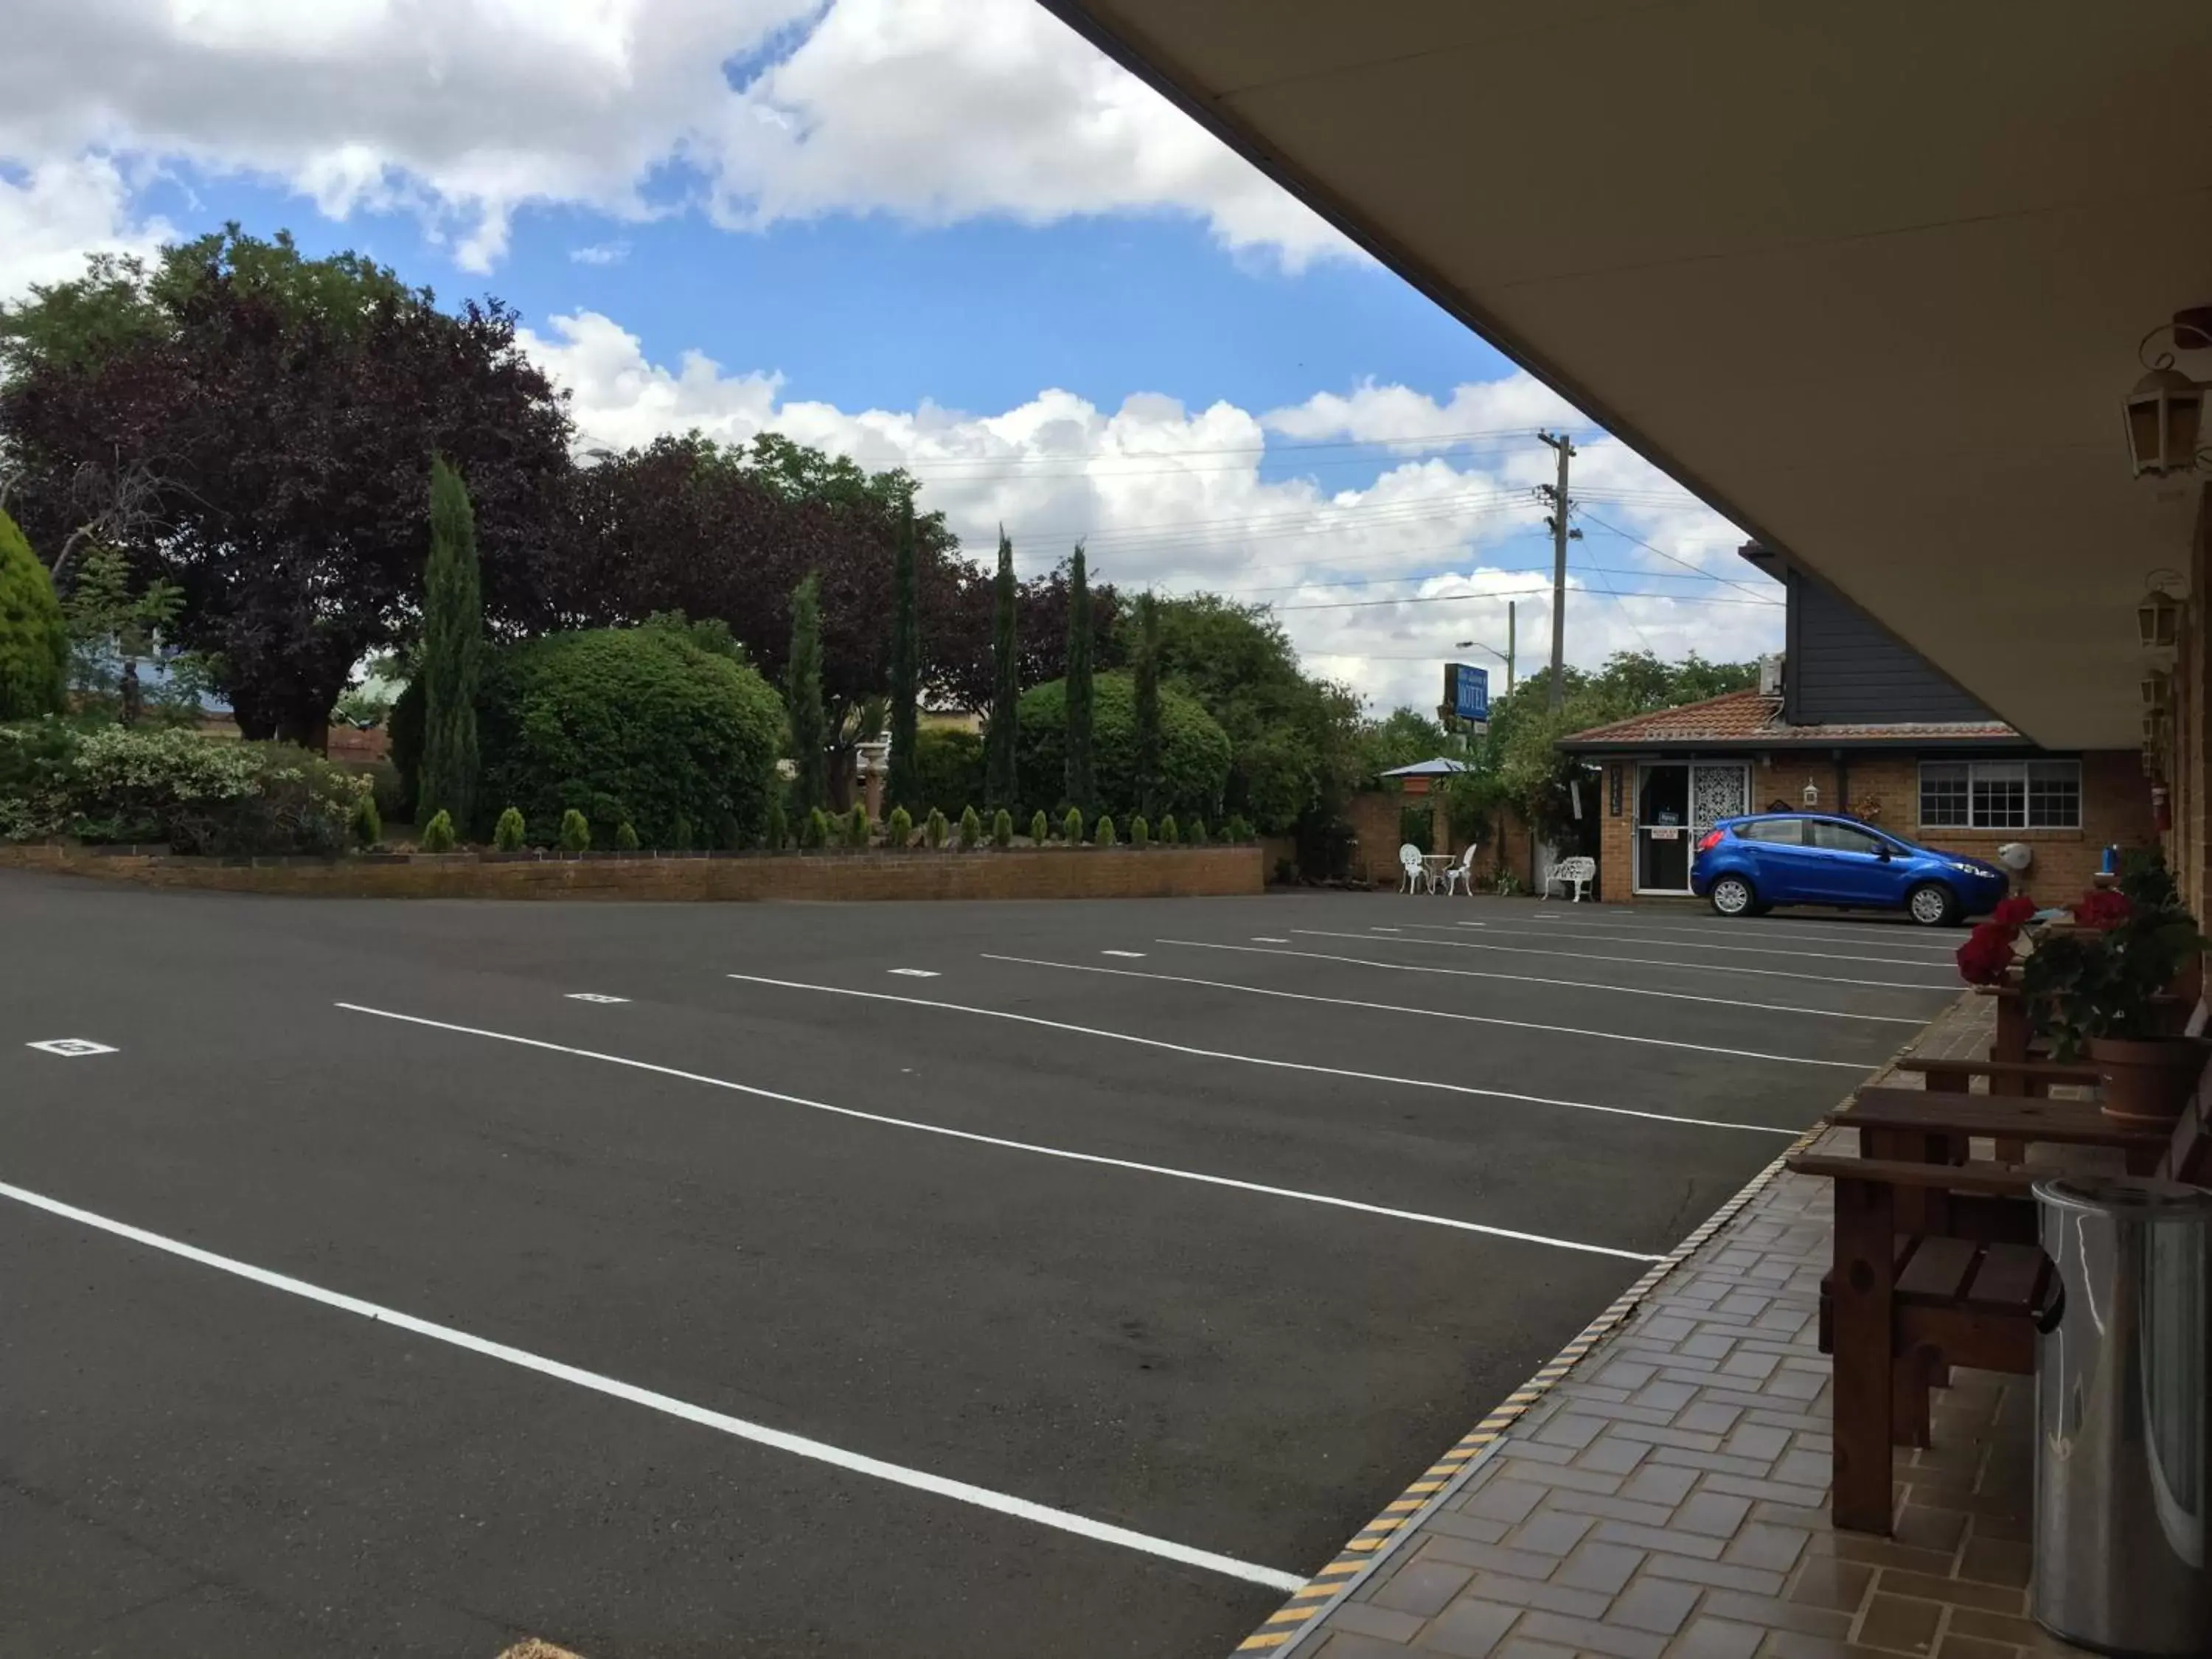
x=916, y=973
x=71, y=1047
x=593, y=996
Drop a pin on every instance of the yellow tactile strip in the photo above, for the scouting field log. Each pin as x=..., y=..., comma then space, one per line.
x=1372, y=1542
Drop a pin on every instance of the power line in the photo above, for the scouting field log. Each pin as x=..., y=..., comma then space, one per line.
x=1428, y=576
x=1639, y=541
x=1525, y=593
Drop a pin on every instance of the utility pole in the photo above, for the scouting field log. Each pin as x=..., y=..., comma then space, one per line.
x=1512, y=609
x=1561, y=535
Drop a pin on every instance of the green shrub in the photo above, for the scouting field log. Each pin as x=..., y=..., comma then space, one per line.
x=730, y=835
x=576, y=832
x=639, y=723
x=1141, y=833
x=898, y=830
x=201, y=795
x=1236, y=830
x=1195, y=835
x=367, y=822
x=384, y=782
x=625, y=837
x=1103, y=834
x=948, y=765
x=1039, y=827
x=858, y=831
x=971, y=828
x=438, y=834
x=1169, y=833
x=1194, y=751
x=681, y=835
x=1002, y=829
x=779, y=827
x=38, y=774
x=34, y=647
x=1417, y=826
x=935, y=828
x=508, y=834
x=1070, y=827
x=816, y=834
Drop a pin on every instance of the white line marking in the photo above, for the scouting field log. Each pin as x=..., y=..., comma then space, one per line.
x=1734, y=950
x=916, y=973
x=1532, y=978
x=594, y=996
x=72, y=1048
x=1114, y=953
x=1760, y=930
x=798, y=1445
x=1382, y=930
x=1647, y=962
x=1257, y=939
x=1858, y=1066
x=859, y=1115
x=1258, y=1060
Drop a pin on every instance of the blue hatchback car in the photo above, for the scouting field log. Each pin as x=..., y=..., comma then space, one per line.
x=1745, y=867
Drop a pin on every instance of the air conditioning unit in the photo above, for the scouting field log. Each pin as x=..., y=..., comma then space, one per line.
x=1770, y=675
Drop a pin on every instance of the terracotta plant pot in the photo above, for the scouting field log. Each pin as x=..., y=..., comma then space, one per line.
x=2146, y=1082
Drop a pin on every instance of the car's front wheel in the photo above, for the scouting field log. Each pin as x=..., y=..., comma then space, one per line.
x=1732, y=895
x=1932, y=904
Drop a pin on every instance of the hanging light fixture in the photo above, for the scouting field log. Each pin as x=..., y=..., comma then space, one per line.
x=2157, y=688
x=2158, y=617
x=2165, y=410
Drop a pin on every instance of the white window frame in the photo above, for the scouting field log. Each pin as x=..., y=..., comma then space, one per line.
x=2025, y=774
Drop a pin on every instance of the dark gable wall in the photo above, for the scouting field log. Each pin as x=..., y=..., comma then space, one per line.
x=1843, y=666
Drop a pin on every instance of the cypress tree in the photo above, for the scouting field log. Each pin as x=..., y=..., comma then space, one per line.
x=901, y=788
x=453, y=654
x=999, y=783
x=1148, y=706
x=33, y=638
x=1080, y=788
x=802, y=695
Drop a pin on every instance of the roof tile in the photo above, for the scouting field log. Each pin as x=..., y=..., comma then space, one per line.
x=1753, y=717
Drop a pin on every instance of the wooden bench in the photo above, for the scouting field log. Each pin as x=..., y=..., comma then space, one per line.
x=2032, y=1078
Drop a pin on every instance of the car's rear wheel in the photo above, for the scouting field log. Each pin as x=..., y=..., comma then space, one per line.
x=1732, y=895
x=1932, y=904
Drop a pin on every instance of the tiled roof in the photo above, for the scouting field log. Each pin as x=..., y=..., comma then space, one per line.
x=1749, y=717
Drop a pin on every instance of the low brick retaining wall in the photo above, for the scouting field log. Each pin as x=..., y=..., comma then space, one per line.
x=1061, y=873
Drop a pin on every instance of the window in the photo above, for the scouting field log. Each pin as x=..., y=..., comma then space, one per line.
x=1842, y=838
x=1789, y=832
x=2001, y=794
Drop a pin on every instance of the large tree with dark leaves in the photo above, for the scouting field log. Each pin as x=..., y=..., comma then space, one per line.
x=270, y=419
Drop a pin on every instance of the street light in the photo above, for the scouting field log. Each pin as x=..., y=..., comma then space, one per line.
x=1512, y=610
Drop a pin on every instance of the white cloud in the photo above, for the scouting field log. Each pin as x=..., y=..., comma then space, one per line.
x=60, y=212
x=1170, y=497
x=599, y=253
x=469, y=111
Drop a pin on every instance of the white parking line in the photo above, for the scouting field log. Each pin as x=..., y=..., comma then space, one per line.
x=1859, y=1065
x=1260, y=1060
x=594, y=996
x=915, y=972
x=1122, y=953
x=1734, y=950
x=1257, y=939
x=1647, y=961
x=856, y=1114
x=759, y=1434
x=1909, y=940
x=1913, y=1020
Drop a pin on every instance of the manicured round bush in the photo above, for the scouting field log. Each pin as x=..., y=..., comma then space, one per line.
x=1169, y=834
x=857, y=827
x=576, y=835
x=1039, y=827
x=33, y=642
x=1070, y=827
x=1103, y=834
x=1195, y=835
x=625, y=837
x=971, y=828
x=1195, y=752
x=817, y=833
x=639, y=724
x=1002, y=829
x=1141, y=833
x=367, y=822
x=935, y=830
x=898, y=828
x=1237, y=830
x=438, y=834
x=508, y=834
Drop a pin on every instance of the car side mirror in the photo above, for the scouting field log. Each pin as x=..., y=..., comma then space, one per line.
x=1883, y=853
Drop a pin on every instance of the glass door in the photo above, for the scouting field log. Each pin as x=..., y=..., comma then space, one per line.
x=1662, y=827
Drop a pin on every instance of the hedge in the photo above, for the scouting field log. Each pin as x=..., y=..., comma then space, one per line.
x=948, y=764
x=638, y=725
x=1193, y=748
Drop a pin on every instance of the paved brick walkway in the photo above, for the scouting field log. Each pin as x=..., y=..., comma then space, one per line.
x=1666, y=1498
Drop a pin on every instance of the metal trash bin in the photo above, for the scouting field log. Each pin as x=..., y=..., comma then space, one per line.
x=2123, y=1414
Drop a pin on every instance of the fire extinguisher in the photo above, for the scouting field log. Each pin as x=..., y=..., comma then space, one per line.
x=2161, y=810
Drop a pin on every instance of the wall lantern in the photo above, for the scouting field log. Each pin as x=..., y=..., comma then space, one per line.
x=1811, y=795
x=2158, y=618
x=2157, y=690
x=2165, y=410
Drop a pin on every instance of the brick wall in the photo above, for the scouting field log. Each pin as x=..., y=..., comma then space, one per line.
x=1159, y=872
x=1885, y=789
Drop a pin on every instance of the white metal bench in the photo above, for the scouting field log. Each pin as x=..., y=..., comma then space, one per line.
x=1577, y=873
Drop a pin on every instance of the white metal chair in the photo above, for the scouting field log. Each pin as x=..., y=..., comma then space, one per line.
x=1576, y=872
x=1409, y=861
x=1461, y=874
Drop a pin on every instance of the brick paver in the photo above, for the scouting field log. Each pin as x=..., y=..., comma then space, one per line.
x=1667, y=1499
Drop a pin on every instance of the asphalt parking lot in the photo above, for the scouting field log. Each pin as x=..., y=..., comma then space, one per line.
x=907, y=1280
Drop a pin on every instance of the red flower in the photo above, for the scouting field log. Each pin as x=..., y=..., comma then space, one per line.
x=2102, y=909
x=1986, y=957
x=2014, y=913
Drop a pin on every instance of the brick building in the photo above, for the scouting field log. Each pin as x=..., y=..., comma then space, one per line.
x=1850, y=719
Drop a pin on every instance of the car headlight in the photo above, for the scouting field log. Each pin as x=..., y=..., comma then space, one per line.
x=1973, y=870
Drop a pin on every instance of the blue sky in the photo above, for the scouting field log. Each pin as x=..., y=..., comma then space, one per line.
x=939, y=233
